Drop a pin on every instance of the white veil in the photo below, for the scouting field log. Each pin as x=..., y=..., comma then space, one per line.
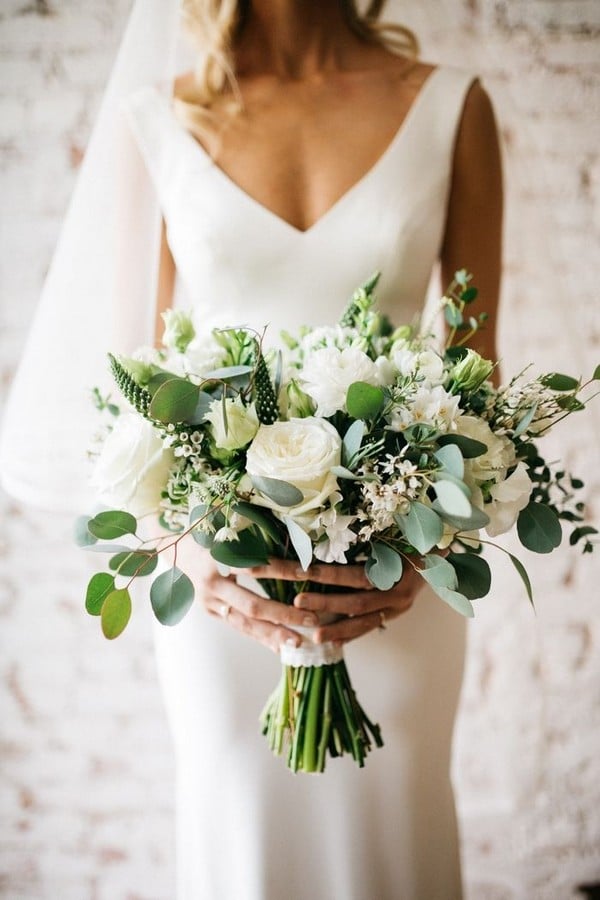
x=101, y=286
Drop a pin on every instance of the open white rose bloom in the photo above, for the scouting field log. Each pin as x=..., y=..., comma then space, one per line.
x=361, y=444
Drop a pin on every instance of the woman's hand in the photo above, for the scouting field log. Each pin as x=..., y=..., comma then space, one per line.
x=361, y=611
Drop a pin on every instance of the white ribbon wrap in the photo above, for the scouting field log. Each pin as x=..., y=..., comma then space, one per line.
x=309, y=653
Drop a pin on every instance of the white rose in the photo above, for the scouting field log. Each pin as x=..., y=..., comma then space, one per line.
x=328, y=373
x=242, y=423
x=509, y=497
x=133, y=466
x=500, y=454
x=301, y=452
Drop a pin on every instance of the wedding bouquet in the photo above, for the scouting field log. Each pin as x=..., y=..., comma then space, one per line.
x=359, y=443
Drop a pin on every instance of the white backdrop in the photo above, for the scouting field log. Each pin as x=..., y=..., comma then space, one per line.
x=87, y=790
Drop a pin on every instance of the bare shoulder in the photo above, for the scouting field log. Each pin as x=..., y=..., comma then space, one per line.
x=477, y=151
x=478, y=120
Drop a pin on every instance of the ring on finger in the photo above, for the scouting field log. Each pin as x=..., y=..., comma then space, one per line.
x=224, y=610
x=382, y=625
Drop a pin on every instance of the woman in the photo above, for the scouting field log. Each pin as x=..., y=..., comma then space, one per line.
x=345, y=158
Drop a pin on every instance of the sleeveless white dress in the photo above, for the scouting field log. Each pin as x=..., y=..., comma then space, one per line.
x=248, y=829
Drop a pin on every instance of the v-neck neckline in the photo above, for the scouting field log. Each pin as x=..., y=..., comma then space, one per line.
x=344, y=198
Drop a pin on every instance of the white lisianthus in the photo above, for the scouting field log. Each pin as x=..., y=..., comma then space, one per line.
x=499, y=456
x=242, y=423
x=509, y=497
x=427, y=364
x=427, y=406
x=300, y=452
x=133, y=466
x=328, y=373
x=339, y=536
x=328, y=336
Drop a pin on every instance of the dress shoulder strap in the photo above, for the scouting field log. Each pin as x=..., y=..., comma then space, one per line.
x=152, y=124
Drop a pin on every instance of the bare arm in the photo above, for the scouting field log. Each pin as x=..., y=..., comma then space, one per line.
x=166, y=282
x=473, y=238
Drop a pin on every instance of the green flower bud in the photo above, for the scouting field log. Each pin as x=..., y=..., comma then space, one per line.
x=179, y=330
x=299, y=404
x=470, y=371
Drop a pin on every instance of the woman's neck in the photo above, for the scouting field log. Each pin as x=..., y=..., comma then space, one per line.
x=293, y=39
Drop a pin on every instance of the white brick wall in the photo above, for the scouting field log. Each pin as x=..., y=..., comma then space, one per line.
x=86, y=798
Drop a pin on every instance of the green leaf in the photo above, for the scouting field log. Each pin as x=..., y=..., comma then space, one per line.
x=523, y=574
x=451, y=460
x=202, y=407
x=343, y=472
x=134, y=562
x=249, y=550
x=100, y=586
x=570, y=403
x=175, y=401
x=108, y=548
x=474, y=575
x=452, y=499
x=582, y=531
x=539, y=528
x=83, y=537
x=280, y=492
x=526, y=420
x=422, y=526
x=171, y=596
x=261, y=518
x=453, y=316
x=469, y=295
x=384, y=566
x=557, y=382
x=301, y=542
x=228, y=372
x=364, y=401
x=469, y=447
x=596, y=375
x=113, y=523
x=475, y=520
x=116, y=612
x=439, y=573
x=457, y=601
x=213, y=516
x=352, y=440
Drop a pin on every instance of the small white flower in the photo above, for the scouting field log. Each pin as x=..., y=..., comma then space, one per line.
x=339, y=536
x=509, y=497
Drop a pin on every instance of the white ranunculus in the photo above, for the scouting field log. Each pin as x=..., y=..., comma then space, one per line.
x=242, y=423
x=500, y=454
x=328, y=373
x=509, y=497
x=179, y=329
x=301, y=452
x=133, y=466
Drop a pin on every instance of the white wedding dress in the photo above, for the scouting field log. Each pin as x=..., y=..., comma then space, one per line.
x=247, y=829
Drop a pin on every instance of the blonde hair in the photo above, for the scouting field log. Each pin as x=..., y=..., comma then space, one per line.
x=214, y=25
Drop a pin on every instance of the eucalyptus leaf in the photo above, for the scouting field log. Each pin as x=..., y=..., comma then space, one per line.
x=228, y=372
x=439, y=573
x=363, y=400
x=259, y=517
x=422, y=526
x=596, y=375
x=343, y=472
x=452, y=499
x=539, y=528
x=203, y=405
x=301, y=542
x=557, y=382
x=352, y=440
x=384, y=566
x=116, y=612
x=453, y=316
x=474, y=575
x=81, y=533
x=523, y=575
x=469, y=447
x=473, y=522
x=457, y=601
x=108, y=548
x=100, y=586
x=171, y=596
x=134, y=562
x=451, y=460
x=249, y=550
x=113, y=523
x=175, y=401
x=526, y=420
x=280, y=492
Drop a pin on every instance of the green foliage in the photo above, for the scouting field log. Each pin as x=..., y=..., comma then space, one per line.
x=473, y=573
x=523, y=575
x=451, y=460
x=557, y=382
x=361, y=300
x=352, y=441
x=249, y=550
x=452, y=498
x=134, y=563
x=114, y=523
x=280, y=492
x=442, y=578
x=116, y=612
x=171, y=596
x=301, y=542
x=100, y=586
x=422, y=527
x=539, y=528
x=81, y=533
x=175, y=401
x=469, y=447
x=384, y=566
x=364, y=401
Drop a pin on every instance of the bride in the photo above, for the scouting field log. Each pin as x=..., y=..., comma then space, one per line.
x=307, y=149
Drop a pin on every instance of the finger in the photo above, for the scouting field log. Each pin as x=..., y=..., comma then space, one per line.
x=328, y=573
x=357, y=604
x=272, y=636
x=253, y=606
x=349, y=629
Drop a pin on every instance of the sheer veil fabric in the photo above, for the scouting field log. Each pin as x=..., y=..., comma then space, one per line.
x=100, y=289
